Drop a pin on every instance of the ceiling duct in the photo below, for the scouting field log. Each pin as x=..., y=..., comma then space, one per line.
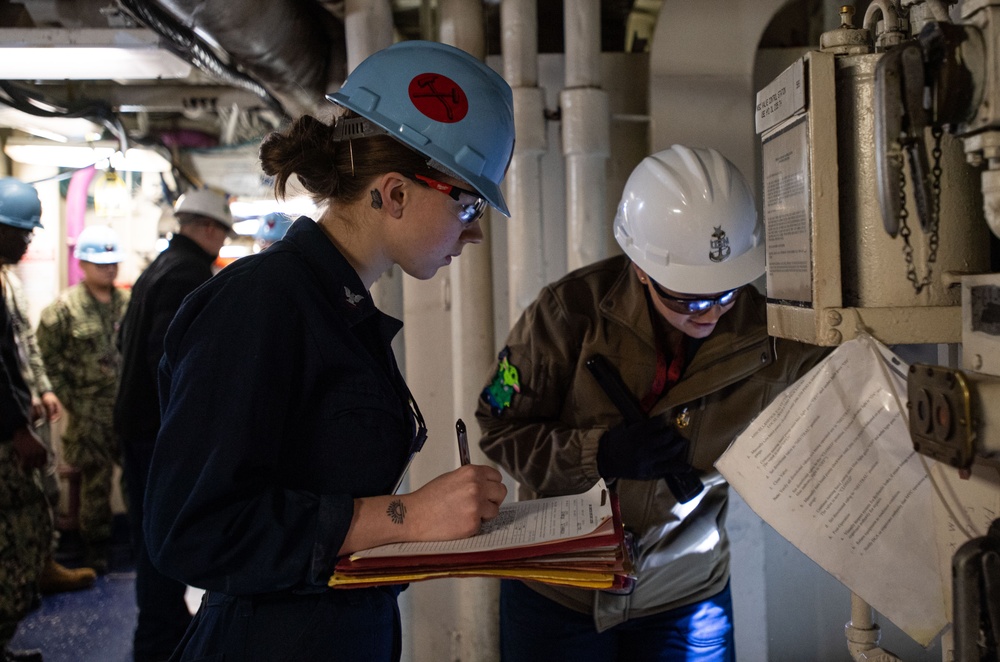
x=293, y=48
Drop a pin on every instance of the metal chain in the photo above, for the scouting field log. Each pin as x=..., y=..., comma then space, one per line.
x=904, y=228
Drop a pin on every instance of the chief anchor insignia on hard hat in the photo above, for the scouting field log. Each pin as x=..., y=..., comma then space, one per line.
x=673, y=201
x=720, y=245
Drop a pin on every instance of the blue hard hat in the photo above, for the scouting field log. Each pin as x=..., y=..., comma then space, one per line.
x=98, y=244
x=19, y=204
x=273, y=227
x=444, y=104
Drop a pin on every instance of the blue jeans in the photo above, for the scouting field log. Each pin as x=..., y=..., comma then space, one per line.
x=536, y=629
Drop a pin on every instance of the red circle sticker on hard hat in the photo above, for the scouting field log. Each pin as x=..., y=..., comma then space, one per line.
x=438, y=97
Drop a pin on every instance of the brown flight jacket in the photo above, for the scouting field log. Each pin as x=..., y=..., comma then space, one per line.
x=547, y=439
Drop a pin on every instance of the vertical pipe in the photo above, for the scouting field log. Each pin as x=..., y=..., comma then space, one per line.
x=461, y=24
x=368, y=28
x=586, y=136
x=582, y=33
x=525, y=247
x=76, y=210
x=476, y=635
x=862, y=632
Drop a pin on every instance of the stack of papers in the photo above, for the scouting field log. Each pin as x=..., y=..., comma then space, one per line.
x=574, y=540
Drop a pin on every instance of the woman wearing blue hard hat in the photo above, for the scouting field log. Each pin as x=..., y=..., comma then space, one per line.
x=255, y=494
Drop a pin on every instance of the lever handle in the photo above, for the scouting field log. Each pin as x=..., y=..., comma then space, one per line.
x=888, y=128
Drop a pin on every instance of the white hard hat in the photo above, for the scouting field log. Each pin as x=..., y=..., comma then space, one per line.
x=687, y=218
x=98, y=244
x=205, y=202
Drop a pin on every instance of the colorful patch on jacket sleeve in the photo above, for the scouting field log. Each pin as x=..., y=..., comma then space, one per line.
x=505, y=383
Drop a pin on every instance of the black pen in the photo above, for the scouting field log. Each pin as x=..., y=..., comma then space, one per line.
x=463, y=442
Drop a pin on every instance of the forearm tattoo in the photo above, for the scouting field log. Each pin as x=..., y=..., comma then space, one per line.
x=396, y=511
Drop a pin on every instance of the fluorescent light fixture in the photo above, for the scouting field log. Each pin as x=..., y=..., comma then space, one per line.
x=60, y=129
x=58, y=155
x=102, y=154
x=233, y=251
x=140, y=159
x=248, y=227
x=86, y=54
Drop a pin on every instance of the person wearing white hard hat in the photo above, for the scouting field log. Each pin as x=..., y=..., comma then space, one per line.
x=76, y=337
x=677, y=323
x=203, y=215
x=287, y=425
x=204, y=222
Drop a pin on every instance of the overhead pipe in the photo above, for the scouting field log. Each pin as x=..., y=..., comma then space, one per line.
x=293, y=49
x=368, y=26
x=523, y=184
x=586, y=136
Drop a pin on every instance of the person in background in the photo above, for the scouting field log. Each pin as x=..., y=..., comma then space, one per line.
x=45, y=410
x=204, y=222
x=25, y=522
x=286, y=422
x=678, y=319
x=76, y=336
x=272, y=228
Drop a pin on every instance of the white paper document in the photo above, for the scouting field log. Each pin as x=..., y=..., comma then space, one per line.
x=519, y=524
x=830, y=465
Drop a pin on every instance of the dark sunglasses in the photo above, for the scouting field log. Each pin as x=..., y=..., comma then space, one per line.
x=468, y=212
x=693, y=306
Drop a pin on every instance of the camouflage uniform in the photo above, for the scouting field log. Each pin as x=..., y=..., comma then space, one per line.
x=33, y=370
x=25, y=526
x=76, y=335
x=25, y=539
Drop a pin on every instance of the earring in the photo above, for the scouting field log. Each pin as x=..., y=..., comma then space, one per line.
x=376, y=199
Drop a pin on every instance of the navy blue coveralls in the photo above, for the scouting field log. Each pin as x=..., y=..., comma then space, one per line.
x=156, y=296
x=281, y=403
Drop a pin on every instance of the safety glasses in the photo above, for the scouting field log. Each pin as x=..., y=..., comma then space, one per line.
x=468, y=212
x=693, y=306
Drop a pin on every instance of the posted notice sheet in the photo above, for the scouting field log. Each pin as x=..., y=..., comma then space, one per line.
x=830, y=465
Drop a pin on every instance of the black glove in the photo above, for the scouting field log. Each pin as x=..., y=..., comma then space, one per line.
x=648, y=449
